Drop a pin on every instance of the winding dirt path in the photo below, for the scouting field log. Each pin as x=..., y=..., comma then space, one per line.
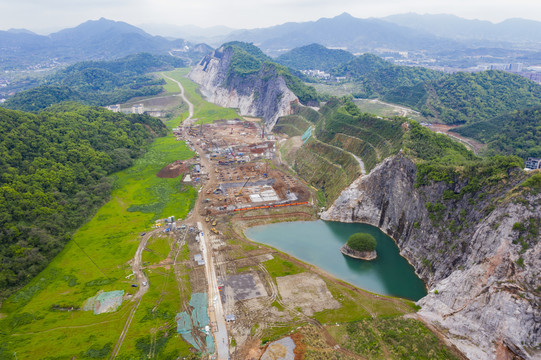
x=142, y=281
x=184, y=98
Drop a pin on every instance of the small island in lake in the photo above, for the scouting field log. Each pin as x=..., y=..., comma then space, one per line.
x=360, y=246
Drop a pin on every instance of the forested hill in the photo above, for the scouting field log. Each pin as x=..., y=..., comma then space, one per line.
x=98, y=82
x=515, y=133
x=54, y=169
x=469, y=97
x=377, y=76
x=314, y=57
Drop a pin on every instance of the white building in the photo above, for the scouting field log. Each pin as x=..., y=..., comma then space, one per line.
x=137, y=109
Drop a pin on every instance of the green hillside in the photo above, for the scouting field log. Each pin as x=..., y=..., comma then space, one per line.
x=515, y=133
x=361, y=66
x=54, y=170
x=97, y=83
x=339, y=130
x=314, y=57
x=325, y=160
x=377, y=76
x=469, y=97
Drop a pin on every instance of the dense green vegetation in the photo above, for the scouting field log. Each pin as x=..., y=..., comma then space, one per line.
x=314, y=57
x=54, y=170
x=97, y=82
x=376, y=76
x=391, y=338
x=362, y=242
x=439, y=158
x=360, y=66
x=469, y=97
x=340, y=125
x=515, y=133
x=248, y=60
x=97, y=259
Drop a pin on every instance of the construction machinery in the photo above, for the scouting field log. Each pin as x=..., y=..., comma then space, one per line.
x=214, y=222
x=207, y=219
x=242, y=187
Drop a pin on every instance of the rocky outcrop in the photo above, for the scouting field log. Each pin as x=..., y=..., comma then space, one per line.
x=484, y=281
x=262, y=94
x=363, y=255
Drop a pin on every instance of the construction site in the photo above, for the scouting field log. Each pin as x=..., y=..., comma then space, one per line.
x=241, y=183
x=240, y=157
x=245, y=300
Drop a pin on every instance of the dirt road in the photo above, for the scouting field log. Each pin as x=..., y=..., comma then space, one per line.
x=185, y=99
x=142, y=282
x=216, y=313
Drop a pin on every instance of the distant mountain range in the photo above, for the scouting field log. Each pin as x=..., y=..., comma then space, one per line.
x=343, y=31
x=93, y=40
x=210, y=35
x=454, y=27
x=438, y=36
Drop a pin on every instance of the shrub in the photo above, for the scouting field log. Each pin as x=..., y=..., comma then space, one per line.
x=362, y=242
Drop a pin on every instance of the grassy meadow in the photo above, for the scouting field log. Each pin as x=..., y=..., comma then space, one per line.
x=204, y=111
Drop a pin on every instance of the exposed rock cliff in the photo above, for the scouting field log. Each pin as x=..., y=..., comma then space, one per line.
x=486, y=271
x=263, y=93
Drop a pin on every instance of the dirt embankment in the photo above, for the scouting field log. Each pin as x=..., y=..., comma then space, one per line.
x=173, y=170
x=476, y=146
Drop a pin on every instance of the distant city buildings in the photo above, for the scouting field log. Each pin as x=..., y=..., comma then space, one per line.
x=317, y=73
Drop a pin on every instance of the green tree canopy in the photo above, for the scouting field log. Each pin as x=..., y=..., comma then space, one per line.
x=362, y=242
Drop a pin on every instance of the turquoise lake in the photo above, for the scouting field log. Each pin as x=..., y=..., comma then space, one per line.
x=319, y=242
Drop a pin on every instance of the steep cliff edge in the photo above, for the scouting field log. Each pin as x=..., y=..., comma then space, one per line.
x=238, y=75
x=478, y=251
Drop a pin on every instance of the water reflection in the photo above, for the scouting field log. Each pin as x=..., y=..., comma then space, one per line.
x=319, y=242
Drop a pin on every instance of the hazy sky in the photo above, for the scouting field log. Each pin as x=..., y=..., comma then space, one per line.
x=44, y=16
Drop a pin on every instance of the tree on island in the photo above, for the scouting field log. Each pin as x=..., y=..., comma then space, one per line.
x=362, y=242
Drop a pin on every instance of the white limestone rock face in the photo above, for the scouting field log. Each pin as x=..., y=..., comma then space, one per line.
x=263, y=94
x=479, y=290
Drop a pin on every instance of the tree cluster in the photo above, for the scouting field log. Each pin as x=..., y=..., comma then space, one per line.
x=54, y=174
x=362, y=242
x=97, y=83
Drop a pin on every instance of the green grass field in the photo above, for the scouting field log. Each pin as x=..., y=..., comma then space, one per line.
x=205, y=111
x=96, y=259
x=157, y=249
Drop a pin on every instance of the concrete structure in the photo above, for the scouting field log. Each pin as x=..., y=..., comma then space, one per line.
x=532, y=164
x=137, y=109
x=114, y=108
